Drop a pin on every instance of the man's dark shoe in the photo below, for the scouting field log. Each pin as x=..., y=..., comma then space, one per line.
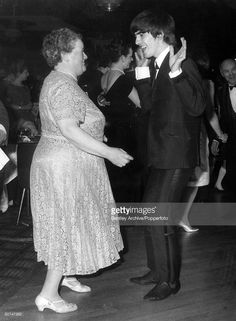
x=144, y=280
x=162, y=291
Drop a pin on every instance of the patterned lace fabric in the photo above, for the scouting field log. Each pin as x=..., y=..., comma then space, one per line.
x=71, y=195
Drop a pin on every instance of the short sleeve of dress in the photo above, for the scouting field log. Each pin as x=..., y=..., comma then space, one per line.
x=67, y=102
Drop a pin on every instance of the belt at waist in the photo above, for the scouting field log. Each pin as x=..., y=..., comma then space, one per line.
x=53, y=136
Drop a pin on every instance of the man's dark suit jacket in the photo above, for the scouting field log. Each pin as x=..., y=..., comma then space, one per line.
x=226, y=113
x=175, y=107
x=227, y=118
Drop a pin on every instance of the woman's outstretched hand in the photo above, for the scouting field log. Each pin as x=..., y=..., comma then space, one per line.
x=119, y=157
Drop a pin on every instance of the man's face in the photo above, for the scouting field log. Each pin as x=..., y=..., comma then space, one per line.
x=149, y=45
x=228, y=71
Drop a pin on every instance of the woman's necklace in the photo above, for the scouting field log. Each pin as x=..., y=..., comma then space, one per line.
x=117, y=69
x=67, y=73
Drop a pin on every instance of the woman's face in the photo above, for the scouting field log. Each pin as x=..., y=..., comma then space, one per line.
x=128, y=59
x=76, y=58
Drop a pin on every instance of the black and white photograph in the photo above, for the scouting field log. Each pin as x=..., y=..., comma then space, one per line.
x=118, y=160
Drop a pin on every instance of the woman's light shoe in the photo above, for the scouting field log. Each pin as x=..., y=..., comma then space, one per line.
x=59, y=306
x=75, y=285
x=188, y=228
x=219, y=187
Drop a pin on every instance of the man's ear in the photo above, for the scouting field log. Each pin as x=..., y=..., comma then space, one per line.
x=222, y=74
x=160, y=38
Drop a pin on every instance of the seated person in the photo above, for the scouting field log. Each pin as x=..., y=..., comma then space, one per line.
x=17, y=94
x=18, y=102
x=4, y=160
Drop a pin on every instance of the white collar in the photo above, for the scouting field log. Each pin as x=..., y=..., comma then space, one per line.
x=161, y=57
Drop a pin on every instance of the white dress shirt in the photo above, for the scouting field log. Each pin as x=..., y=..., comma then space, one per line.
x=232, y=94
x=144, y=72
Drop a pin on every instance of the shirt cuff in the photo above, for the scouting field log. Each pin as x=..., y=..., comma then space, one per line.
x=142, y=72
x=175, y=73
x=3, y=128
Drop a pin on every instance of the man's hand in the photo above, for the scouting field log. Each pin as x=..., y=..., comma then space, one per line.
x=141, y=61
x=176, y=60
x=3, y=137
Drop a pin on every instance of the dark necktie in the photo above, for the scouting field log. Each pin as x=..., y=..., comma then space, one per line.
x=232, y=86
x=154, y=72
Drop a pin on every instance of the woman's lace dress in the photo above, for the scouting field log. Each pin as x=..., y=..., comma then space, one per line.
x=71, y=197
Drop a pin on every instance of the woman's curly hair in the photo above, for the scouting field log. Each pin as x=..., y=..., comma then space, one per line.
x=118, y=47
x=57, y=42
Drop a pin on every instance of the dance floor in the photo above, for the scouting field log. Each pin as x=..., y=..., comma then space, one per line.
x=208, y=279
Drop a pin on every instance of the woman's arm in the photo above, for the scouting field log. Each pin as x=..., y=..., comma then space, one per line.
x=214, y=122
x=211, y=114
x=134, y=97
x=88, y=144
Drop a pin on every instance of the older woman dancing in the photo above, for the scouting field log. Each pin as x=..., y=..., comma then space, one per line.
x=70, y=189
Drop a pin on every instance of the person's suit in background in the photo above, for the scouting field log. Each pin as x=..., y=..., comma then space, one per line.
x=227, y=117
x=175, y=107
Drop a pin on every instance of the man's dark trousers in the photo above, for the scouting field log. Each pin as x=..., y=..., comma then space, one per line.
x=163, y=252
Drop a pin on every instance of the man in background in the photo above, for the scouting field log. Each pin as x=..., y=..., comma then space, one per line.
x=226, y=104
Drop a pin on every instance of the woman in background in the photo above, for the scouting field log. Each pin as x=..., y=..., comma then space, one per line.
x=201, y=175
x=18, y=95
x=121, y=93
x=120, y=113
